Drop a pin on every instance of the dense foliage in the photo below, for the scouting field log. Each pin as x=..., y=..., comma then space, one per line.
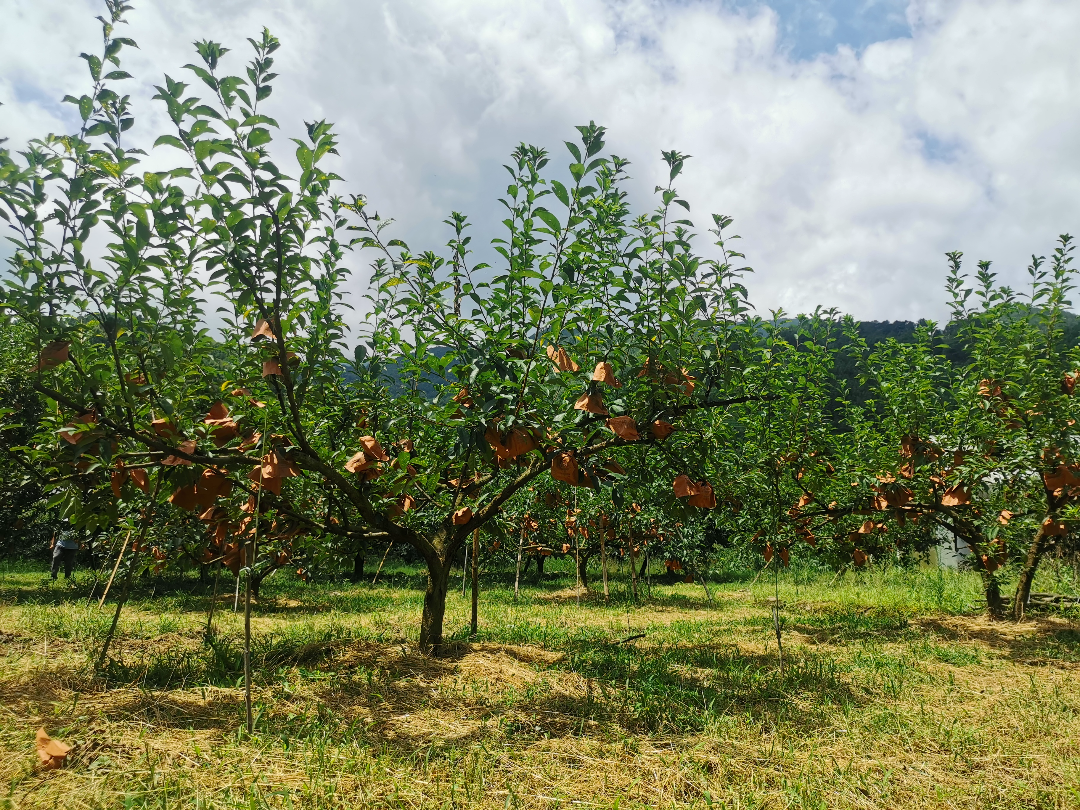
x=204, y=385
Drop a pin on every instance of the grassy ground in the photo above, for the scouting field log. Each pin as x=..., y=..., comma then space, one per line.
x=895, y=694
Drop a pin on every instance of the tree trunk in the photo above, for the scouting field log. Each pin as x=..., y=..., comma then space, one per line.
x=583, y=570
x=256, y=580
x=603, y=564
x=358, y=567
x=540, y=567
x=431, y=624
x=704, y=584
x=995, y=605
x=1027, y=573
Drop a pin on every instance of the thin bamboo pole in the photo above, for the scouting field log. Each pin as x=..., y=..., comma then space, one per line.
x=517, y=571
x=119, y=557
x=603, y=562
x=776, y=614
x=249, y=563
x=247, y=629
x=464, y=571
x=577, y=565
x=213, y=602
x=97, y=578
x=381, y=562
x=147, y=518
x=648, y=574
x=475, y=581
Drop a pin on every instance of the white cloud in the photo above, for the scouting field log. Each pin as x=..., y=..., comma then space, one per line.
x=849, y=175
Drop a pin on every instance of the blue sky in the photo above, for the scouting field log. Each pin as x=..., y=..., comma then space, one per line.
x=853, y=141
x=811, y=27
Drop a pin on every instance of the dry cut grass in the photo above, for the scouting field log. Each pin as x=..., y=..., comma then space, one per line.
x=883, y=703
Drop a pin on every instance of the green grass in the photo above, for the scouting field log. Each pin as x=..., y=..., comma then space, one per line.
x=895, y=693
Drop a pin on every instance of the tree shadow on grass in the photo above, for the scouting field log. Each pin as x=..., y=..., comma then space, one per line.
x=390, y=695
x=529, y=694
x=682, y=687
x=839, y=623
x=1040, y=640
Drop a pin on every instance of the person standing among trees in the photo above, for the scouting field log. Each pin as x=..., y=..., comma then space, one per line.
x=65, y=548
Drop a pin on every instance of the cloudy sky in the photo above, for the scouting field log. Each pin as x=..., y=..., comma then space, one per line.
x=853, y=141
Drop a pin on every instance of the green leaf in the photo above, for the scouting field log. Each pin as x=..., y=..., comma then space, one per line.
x=142, y=234
x=100, y=128
x=560, y=192
x=253, y=120
x=549, y=219
x=304, y=155
x=84, y=103
x=200, y=127
x=203, y=74
x=139, y=210
x=205, y=111
x=574, y=151
x=258, y=137
x=95, y=65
